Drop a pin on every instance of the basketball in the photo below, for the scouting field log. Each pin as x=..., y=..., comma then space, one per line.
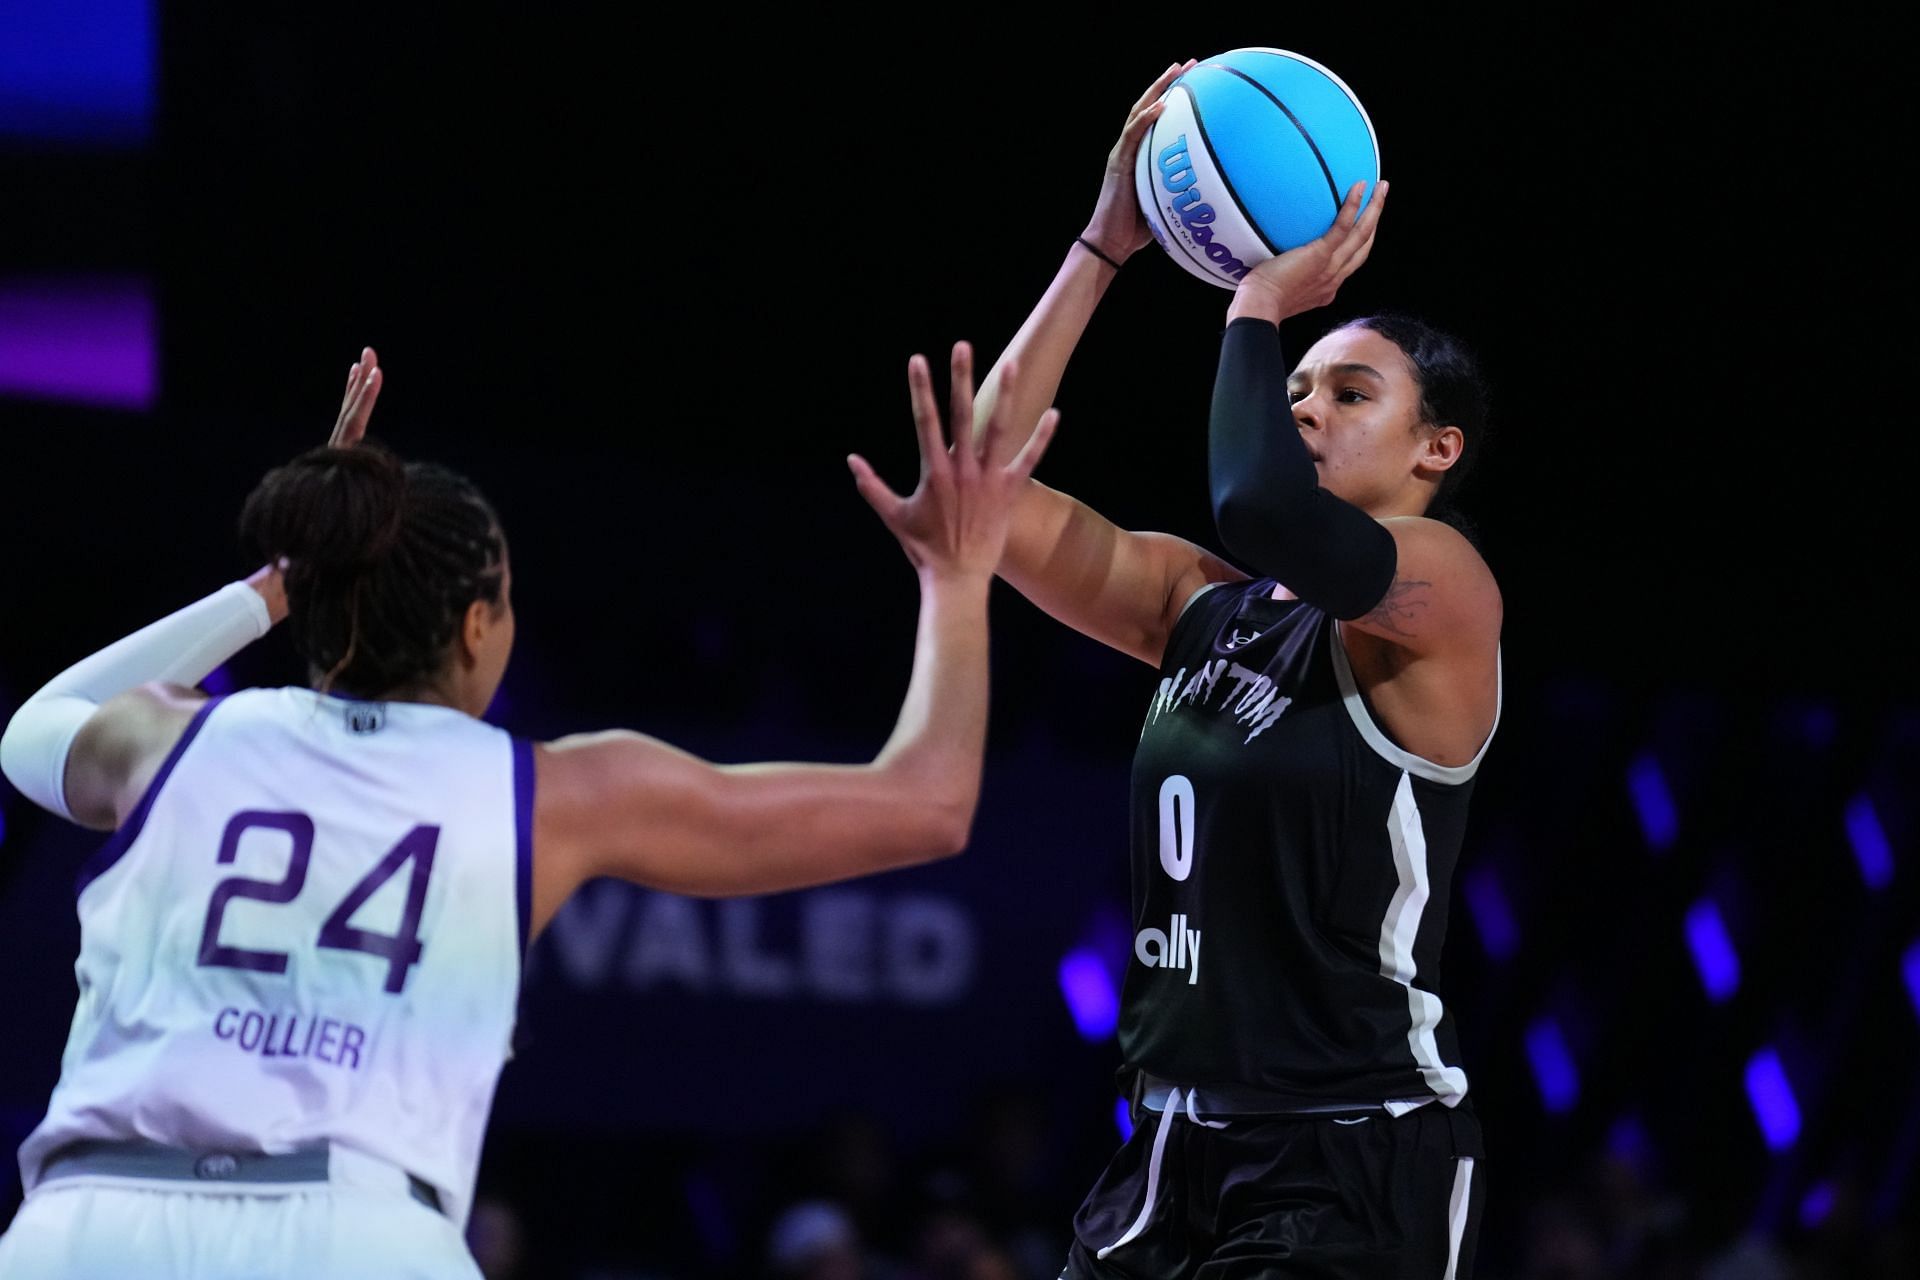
x=1251, y=158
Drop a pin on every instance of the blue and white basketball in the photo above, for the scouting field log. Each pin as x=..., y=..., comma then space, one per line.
x=1251, y=157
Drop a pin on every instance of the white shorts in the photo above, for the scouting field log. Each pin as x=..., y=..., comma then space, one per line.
x=91, y=1229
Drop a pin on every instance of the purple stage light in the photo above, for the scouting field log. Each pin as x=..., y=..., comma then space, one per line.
x=88, y=341
x=1817, y=1204
x=1653, y=802
x=1492, y=915
x=1771, y=1094
x=1123, y=1118
x=219, y=681
x=1910, y=966
x=1629, y=1143
x=1713, y=953
x=1553, y=1068
x=1089, y=994
x=1869, y=840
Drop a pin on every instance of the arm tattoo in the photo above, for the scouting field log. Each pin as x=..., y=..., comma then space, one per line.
x=1404, y=603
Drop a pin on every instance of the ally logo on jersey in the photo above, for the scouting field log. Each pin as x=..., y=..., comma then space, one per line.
x=1176, y=947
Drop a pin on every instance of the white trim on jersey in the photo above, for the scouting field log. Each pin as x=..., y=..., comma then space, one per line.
x=1398, y=930
x=1198, y=591
x=1457, y=1212
x=1390, y=751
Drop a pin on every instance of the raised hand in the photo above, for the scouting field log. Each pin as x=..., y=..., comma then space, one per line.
x=955, y=520
x=1309, y=275
x=356, y=406
x=1117, y=226
x=363, y=388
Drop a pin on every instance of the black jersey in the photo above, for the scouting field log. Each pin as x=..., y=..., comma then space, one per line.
x=1291, y=867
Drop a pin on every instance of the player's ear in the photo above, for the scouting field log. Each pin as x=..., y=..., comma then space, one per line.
x=481, y=618
x=1441, y=448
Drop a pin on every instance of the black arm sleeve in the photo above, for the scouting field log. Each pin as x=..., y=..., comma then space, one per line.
x=1269, y=508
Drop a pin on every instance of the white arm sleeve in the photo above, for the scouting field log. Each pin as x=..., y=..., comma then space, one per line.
x=181, y=648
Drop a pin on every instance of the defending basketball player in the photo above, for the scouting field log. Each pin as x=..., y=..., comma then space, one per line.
x=301, y=949
x=1301, y=782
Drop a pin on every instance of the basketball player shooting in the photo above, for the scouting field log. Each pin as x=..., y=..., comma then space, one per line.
x=1300, y=786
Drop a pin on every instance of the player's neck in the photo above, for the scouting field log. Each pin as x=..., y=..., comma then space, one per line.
x=429, y=693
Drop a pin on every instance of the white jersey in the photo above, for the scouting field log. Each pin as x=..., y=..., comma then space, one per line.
x=310, y=929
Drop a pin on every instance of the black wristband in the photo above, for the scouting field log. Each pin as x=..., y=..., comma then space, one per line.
x=1094, y=249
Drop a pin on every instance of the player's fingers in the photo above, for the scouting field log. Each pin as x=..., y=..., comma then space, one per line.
x=352, y=426
x=1036, y=446
x=363, y=412
x=1371, y=218
x=1154, y=90
x=362, y=369
x=1357, y=256
x=363, y=385
x=960, y=408
x=926, y=414
x=338, y=438
x=1359, y=243
x=353, y=386
x=1350, y=207
x=1140, y=122
x=886, y=504
x=1330, y=240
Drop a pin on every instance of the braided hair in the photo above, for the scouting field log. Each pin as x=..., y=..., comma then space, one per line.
x=383, y=559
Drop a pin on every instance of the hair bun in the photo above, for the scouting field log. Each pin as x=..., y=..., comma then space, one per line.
x=329, y=511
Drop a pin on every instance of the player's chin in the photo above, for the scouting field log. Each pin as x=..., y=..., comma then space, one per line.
x=1339, y=486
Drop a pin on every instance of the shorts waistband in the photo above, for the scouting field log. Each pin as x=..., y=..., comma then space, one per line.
x=1151, y=1093
x=158, y=1162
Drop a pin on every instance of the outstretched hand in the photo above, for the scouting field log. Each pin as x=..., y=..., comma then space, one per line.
x=363, y=388
x=1117, y=226
x=1309, y=275
x=954, y=523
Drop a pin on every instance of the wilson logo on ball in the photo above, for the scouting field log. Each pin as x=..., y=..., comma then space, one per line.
x=1178, y=178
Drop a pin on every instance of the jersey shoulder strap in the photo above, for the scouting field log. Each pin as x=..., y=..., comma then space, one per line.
x=1204, y=612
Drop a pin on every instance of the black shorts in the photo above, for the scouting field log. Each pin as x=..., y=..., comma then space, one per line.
x=1369, y=1199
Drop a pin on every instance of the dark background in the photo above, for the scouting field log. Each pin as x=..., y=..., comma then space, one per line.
x=648, y=281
